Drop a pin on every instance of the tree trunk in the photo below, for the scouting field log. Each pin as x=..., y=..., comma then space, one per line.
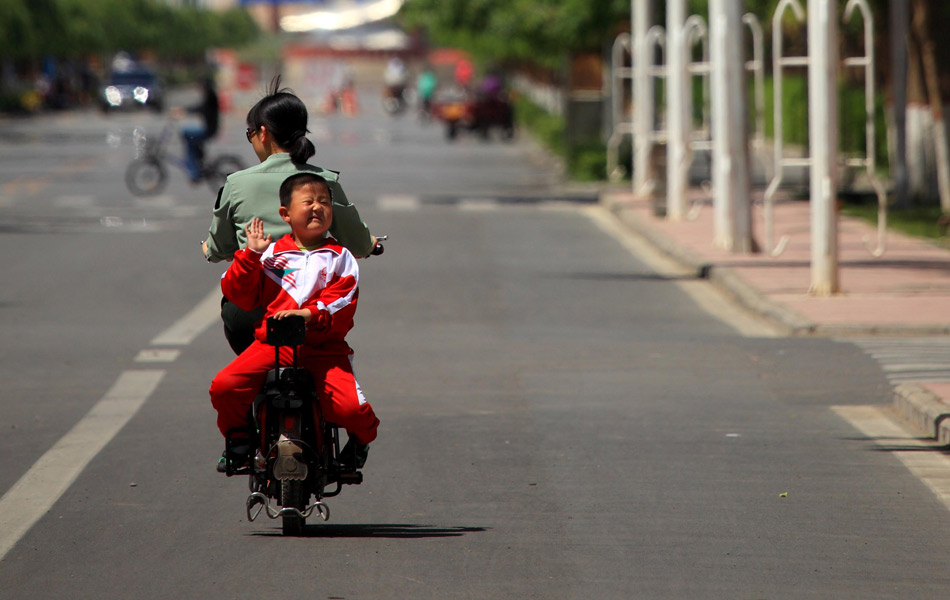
x=921, y=22
x=900, y=18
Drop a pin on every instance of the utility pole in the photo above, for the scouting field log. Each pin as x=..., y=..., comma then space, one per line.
x=677, y=118
x=823, y=143
x=732, y=209
x=641, y=13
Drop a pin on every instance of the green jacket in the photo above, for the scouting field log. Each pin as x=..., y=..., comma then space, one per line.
x=253, y=192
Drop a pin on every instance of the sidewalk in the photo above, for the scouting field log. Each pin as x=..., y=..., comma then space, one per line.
x=905, y=292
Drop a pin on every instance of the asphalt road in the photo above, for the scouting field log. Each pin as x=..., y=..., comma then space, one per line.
x=559, y=419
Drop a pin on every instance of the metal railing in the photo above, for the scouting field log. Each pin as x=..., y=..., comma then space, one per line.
x=780, y=161
x=756, y=66
x=866, y=63
x=780, y=62
x=620, y=76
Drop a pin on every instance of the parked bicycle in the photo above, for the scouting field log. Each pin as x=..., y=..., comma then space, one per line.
x=147, y=174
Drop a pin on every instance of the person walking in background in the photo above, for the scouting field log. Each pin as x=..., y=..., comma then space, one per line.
x=426, y=86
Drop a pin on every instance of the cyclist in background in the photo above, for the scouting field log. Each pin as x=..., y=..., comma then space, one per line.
x=195, y=136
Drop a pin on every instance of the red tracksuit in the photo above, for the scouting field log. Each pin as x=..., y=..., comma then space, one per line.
x=285, y=277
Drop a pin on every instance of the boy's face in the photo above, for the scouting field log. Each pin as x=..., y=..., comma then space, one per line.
x=310, y=213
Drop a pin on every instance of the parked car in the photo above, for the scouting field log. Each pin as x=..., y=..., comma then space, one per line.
x=134, y=88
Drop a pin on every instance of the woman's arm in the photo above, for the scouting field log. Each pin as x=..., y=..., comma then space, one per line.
x=348, y=228
x=222, y=242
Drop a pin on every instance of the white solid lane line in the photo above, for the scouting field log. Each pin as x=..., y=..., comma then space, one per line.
x=35, y=493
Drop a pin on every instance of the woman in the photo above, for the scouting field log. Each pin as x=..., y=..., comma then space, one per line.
x=276, y=128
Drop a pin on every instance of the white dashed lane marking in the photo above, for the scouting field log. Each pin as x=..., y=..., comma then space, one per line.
x=35, y=493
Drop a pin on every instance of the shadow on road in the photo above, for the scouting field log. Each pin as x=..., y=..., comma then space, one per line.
x=375, y=530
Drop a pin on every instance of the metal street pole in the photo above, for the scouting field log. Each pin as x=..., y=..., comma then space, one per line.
x=732, y=209
x=823, y=143
x=641, y=12
x=677, y=166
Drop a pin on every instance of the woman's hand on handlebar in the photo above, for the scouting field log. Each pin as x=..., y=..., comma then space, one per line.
x=378, y=245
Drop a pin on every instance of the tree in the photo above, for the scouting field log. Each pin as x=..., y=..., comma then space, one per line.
x=16, y=29
x=542, y=32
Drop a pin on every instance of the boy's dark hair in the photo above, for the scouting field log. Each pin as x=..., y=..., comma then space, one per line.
x=285, y=117
x=295, y=181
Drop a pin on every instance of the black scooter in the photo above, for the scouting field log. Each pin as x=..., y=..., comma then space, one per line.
x=296, y=457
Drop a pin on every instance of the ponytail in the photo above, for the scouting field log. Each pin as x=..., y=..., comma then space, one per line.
x=285, y=117
x=301, y=149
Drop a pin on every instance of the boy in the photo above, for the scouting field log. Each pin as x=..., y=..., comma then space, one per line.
x=308, y=274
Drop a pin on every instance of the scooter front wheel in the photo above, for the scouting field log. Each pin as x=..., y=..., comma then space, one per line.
x=145, y=176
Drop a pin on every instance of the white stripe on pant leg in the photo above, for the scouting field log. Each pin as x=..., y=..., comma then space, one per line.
x=35, y=493
x=359, y=390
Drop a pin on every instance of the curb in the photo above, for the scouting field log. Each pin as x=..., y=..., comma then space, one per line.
x=924, y=410
x=722, y=277
x=750, y=298
x=918, y=406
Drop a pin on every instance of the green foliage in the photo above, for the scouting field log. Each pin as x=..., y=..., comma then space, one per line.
x=919, y=221
x=547, y=128
x=794, y=108
x=587, y=162
x=76, y=28
x=853, y=133
x=584, y=162
x=16, y=29
x=537, y=31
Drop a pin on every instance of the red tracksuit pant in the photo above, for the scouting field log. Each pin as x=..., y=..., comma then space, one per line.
x=233, y=389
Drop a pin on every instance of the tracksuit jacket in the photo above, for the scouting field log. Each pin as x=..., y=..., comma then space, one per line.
x=285, y=277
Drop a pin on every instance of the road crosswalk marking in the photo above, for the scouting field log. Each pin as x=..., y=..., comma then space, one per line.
x=412, y=202
x=910, y=360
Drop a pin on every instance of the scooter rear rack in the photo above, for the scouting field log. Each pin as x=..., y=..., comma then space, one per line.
x=262, y=503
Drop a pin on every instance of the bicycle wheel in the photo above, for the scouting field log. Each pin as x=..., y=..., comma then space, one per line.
x=292, y=496
x=220, y=168
x=145, y=176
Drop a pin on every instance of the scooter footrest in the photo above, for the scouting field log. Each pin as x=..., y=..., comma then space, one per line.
x=354, y=478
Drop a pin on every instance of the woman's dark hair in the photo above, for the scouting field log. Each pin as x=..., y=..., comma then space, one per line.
x=285, y=117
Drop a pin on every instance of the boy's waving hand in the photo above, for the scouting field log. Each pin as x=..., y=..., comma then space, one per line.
x=255, y=236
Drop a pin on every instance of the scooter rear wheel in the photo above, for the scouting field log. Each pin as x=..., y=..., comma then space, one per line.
x=292, y=496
